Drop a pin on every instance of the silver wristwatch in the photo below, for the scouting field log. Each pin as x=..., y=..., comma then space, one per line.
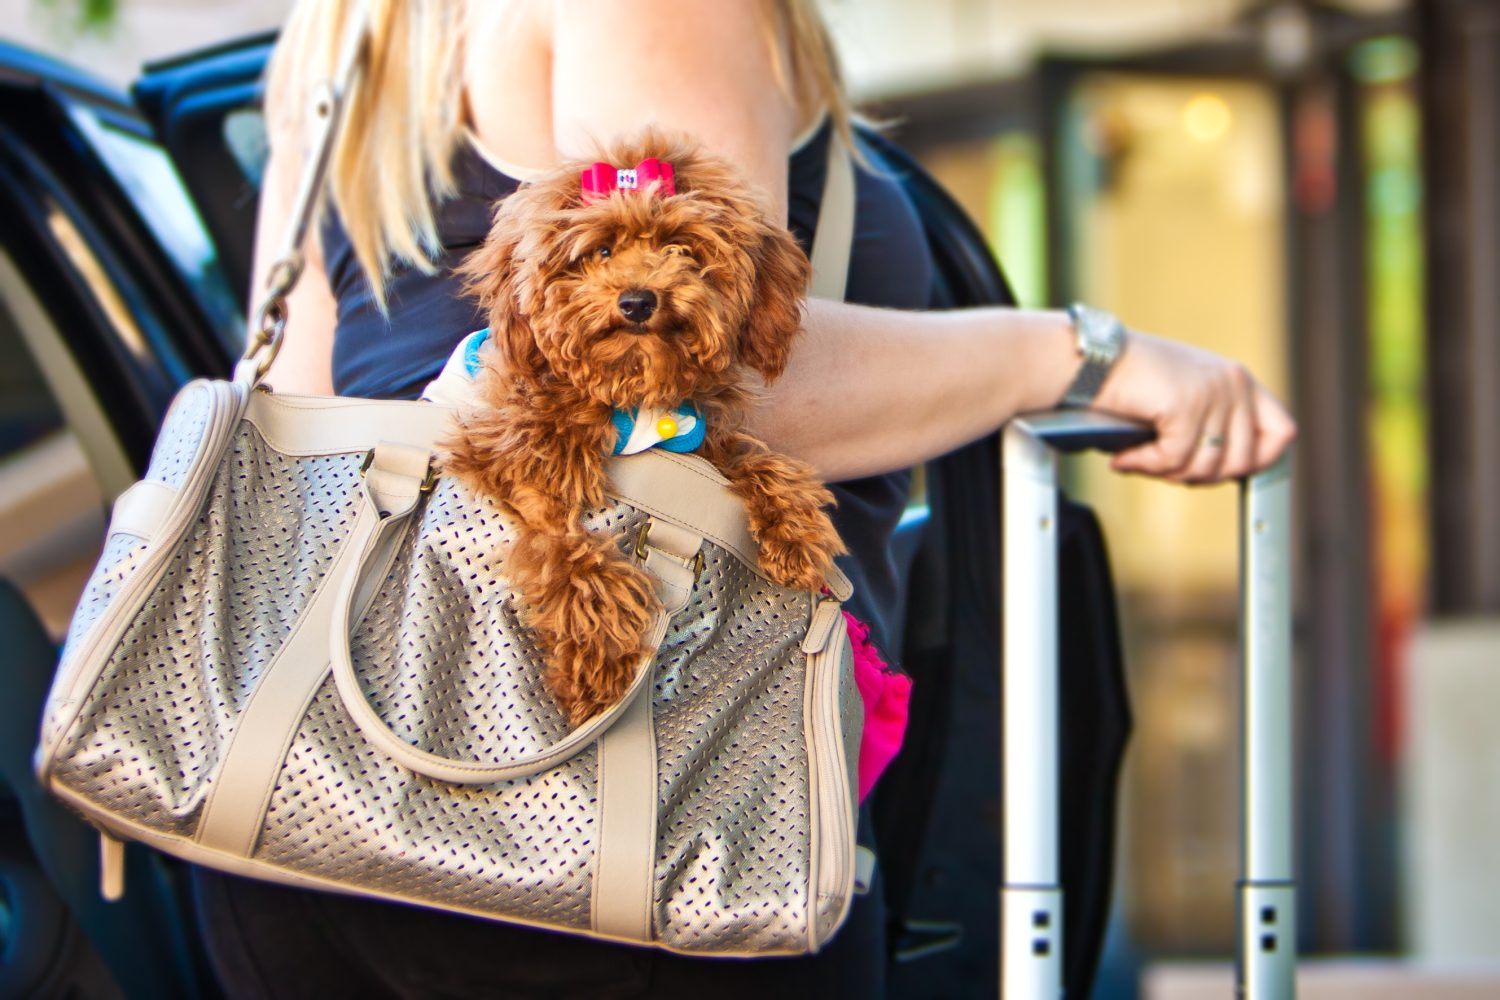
x=1101, y=338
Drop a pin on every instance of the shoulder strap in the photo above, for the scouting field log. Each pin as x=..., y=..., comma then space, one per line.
x=832, y=243
x=835, y=234
x=327, y=109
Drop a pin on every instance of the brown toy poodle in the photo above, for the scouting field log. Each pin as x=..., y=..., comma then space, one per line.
x=679, y=294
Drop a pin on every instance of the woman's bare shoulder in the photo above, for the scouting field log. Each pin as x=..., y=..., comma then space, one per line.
x=705, y=69
x=508, y=81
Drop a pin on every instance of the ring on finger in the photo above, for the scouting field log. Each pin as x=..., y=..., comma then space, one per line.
x=1212, y=441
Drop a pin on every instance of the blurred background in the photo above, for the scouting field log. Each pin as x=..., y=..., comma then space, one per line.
x=1313, y=188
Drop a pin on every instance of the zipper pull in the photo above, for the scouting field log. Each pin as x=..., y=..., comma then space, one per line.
x=111, y=867
x=824, y=617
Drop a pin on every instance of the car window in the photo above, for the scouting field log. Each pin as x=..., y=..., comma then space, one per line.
x=51, y=504
x=27, y=412
x=245, y=135
x=146, y=173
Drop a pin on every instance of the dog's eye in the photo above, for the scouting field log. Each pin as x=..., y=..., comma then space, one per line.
x=603, y=253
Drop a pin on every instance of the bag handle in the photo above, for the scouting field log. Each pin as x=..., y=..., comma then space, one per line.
x=394, y=482
x=329, y=98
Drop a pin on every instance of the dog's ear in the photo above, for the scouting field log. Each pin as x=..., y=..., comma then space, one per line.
x=494, y=277
x=782, y=272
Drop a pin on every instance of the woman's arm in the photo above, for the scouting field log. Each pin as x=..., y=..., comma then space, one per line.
x=871, y=390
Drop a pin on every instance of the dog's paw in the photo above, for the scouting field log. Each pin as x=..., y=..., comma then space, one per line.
x=787, y=510
x=596, y=630
x=798, y=552
x=588, y=677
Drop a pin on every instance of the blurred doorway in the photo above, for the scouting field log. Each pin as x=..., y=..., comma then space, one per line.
x=1171, y=206
x=1267, y=210
x=1265, y=205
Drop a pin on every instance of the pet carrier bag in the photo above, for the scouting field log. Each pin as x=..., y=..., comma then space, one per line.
x=275, y=671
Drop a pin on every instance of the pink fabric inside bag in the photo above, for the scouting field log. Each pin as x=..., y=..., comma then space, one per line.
x=887, y=696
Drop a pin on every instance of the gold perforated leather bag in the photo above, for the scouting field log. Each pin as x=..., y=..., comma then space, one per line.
x=298, y=660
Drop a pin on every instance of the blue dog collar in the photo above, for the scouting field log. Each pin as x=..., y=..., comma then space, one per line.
x=679, y=429
x=472, y=343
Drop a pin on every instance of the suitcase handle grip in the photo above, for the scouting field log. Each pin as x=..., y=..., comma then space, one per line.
x=1085, y=430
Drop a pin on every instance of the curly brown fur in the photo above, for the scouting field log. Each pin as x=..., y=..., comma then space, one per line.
x=729, y=286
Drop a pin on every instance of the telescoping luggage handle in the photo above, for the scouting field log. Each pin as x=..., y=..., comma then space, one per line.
x=1030, y=894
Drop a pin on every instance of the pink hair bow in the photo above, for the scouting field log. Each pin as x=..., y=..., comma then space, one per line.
x=600, y=180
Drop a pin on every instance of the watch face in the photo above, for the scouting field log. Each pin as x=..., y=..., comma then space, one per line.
x=1099, y=333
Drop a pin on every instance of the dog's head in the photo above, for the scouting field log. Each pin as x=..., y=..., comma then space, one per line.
x=640, y=298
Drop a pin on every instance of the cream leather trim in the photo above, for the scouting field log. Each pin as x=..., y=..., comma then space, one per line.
x=824, y=616
x=833, y=243
x=141, y=509
x=682, y=489
x=833, y=809
x=432, y=765
x=673, y=540
x=330, y=425
x=187, y=850
x=689, y=493
x=237, y=801
x=817, y=823
x=838, y=584
x=624, y=898
x=111, y=868
x=624, y=868
x=405, y=466
x=673, y=580
x=671, y=554
x=70, y=688
x=864, y=869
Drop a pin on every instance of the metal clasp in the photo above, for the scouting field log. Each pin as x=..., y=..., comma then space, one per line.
x=642, y=537
x=428, y=481
x=269, y=331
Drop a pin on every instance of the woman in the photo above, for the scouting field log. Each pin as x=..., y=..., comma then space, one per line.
x=456, y=94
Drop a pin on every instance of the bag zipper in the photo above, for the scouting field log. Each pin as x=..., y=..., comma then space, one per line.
x=829, y=660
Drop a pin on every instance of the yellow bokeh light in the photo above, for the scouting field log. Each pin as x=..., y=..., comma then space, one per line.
x=1206, y=118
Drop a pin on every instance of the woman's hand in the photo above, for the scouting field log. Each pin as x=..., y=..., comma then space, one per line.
x=1213, y=420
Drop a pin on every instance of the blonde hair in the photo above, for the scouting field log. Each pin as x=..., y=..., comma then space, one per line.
x=814, y=80
x=393, y=157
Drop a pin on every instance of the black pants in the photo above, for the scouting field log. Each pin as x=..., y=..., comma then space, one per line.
x=271, y=941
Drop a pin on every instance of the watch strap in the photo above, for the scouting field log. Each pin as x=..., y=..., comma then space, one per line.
x=1086, y=384
x=1101, y=337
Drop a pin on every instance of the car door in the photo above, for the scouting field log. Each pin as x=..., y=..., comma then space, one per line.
x=111, y=297
x=204, y=110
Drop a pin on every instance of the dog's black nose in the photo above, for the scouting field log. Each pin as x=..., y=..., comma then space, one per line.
x=637, y=304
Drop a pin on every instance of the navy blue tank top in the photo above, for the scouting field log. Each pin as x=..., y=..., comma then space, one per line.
x=395, y=356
